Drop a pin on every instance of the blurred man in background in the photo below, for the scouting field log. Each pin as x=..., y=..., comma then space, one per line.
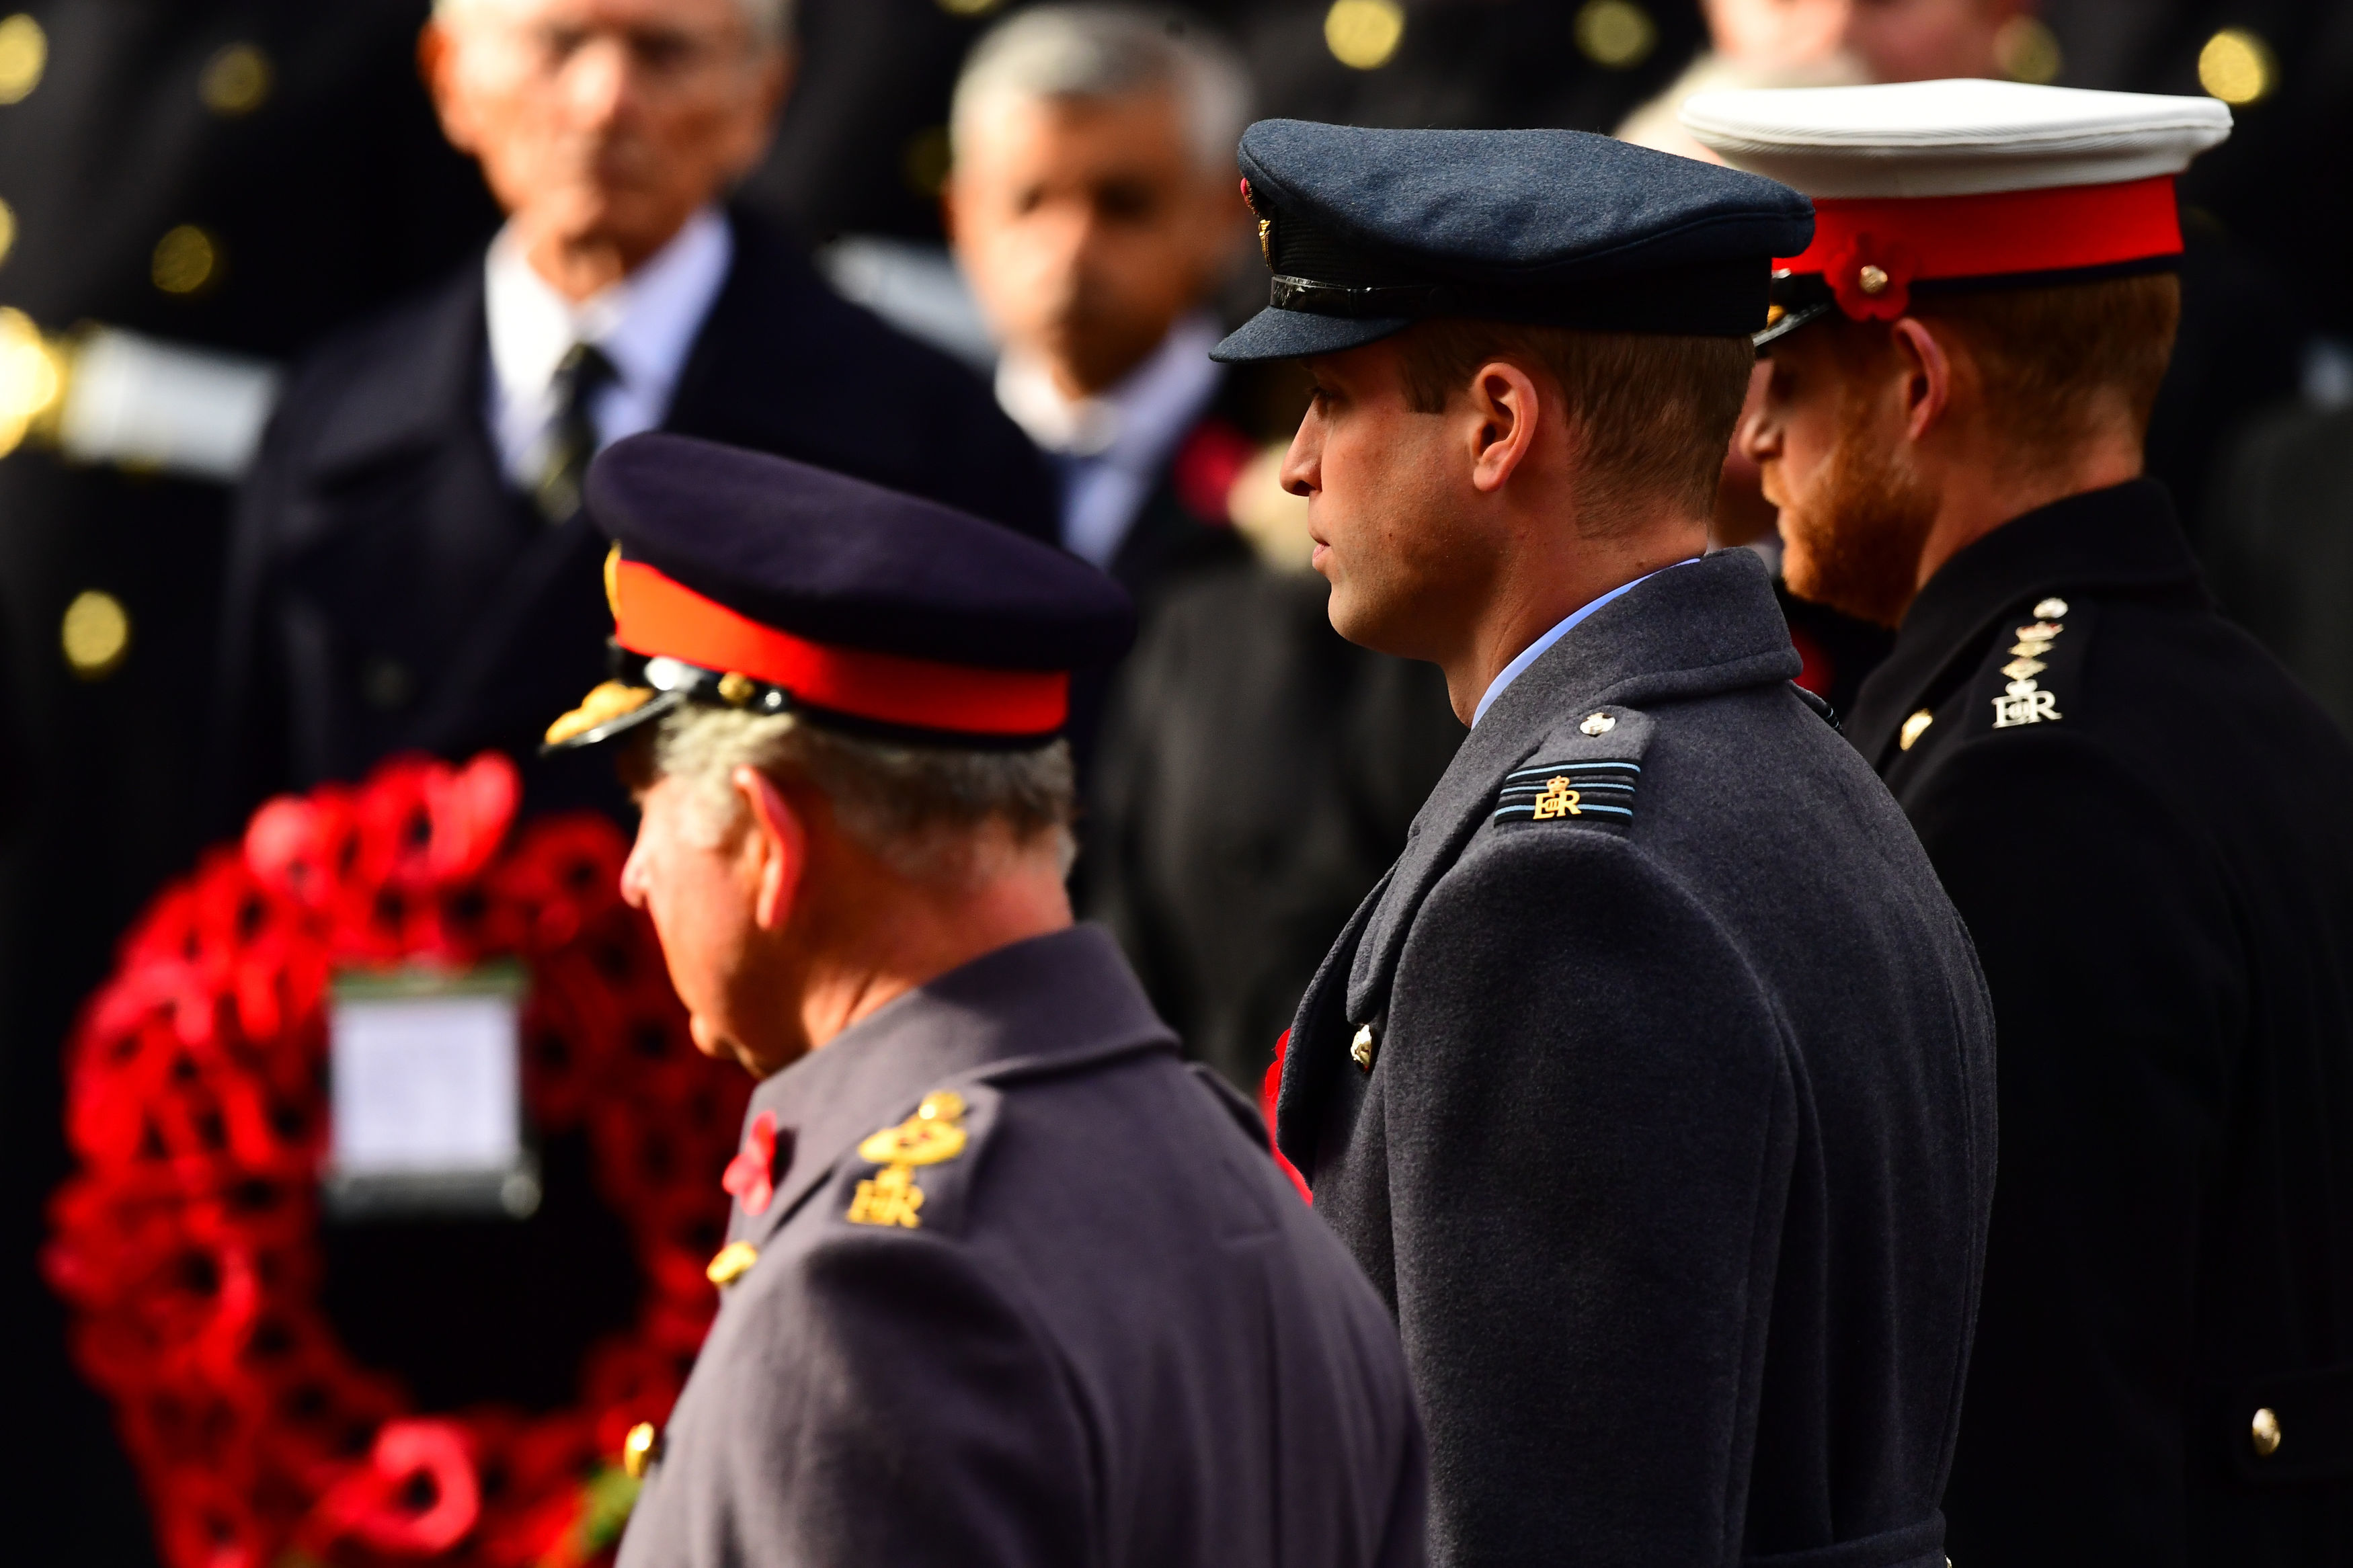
x=410, y=568
x=1093, y=205
x=1094, y=210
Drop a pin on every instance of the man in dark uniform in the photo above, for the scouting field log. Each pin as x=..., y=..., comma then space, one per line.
x=409, y=571
x=1006, y=1281
x=1654, y=1085
x=2142, y=819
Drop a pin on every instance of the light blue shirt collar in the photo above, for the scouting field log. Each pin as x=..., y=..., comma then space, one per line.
x=1561, y=628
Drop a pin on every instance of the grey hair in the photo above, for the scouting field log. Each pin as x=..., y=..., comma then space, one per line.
x=771, y=20
x=926, y=811
x=1099, y=51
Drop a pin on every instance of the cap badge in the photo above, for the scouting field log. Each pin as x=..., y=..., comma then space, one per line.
x=1872, y=279
x=606, y=701
x=890, y=1196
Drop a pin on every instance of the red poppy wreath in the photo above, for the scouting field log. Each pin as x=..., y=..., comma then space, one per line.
x=187, y=1239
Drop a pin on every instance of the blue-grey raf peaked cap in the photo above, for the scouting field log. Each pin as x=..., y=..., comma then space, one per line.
x=1368, y=231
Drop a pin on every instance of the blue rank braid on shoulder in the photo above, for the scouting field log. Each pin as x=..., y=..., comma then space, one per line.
x=1584, y=794
x=1366, y=232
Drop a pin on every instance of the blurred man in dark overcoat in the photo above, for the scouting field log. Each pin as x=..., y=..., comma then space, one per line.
x=410, y=570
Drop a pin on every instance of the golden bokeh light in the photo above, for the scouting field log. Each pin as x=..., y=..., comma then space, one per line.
x=1364, y=34
x=32, y=378
x=24, y=56
x=2237, y=66
x=95, y=634
x=2028, y=51
x=1617, y=34
x=185, y=260
x=236, y=81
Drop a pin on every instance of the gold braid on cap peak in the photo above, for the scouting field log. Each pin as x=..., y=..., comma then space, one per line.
x=607, y=701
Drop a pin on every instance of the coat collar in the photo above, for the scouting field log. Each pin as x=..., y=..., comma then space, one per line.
x=1049, y=1003
x=1702, y=628
x=2125, y=538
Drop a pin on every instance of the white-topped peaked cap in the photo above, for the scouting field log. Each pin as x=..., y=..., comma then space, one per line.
x=1953, y=138
x=1930, y=187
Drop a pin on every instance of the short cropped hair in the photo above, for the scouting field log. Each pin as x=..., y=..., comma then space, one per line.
x=922, y=809
x=2048, y=353
x=1653, y=413
x=1109, y=51
x=771, y=20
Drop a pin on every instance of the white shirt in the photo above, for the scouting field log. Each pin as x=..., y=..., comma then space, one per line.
x=1561, y=628
x=646, y=324
x=1110, y=448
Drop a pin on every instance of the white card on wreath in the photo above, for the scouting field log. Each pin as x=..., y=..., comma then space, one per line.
x=424, y=1092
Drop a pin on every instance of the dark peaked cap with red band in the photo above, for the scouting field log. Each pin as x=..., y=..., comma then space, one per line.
x=752, y=582
x=1368, y=231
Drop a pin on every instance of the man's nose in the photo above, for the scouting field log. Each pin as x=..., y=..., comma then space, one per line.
x=1301, y=472
x=599, y=80
x=633, y=877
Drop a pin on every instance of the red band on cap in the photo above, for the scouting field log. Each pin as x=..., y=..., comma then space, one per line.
x=654, y=616
x=1912, y=239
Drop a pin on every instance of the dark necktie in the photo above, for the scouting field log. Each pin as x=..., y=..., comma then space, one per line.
x=572, y=437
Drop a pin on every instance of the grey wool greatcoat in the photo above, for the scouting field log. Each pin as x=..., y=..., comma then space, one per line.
x=1660, y=1104
x=1085, y=1321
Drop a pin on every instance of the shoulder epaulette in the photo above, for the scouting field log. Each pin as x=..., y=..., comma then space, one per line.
x=1589, y=775
x=912, y=1174
x=2033, y=676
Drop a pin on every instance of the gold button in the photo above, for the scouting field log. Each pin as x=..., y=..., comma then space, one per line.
x=24, y=56
x=1914, y=728
x=1364, y=34
x=96, y=634
x=2265, y=1432
x=186, y=260
x=731, y=1263
x=1598, y=724
x=640, y=1449
x=236, y=81
x=2051, y=609
x=1874, y=279
x=735, y=689
x=1360, y=1050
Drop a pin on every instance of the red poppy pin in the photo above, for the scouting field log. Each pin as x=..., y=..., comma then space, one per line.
x=752, y=1174
x=1873, y=280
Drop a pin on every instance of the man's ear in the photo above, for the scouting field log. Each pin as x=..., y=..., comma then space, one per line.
x=779, y=841
x=1927, y=376
x=1504, y=401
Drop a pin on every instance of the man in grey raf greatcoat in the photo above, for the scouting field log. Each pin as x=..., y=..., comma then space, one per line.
x=1653, y=1086
x=1006, y=1281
